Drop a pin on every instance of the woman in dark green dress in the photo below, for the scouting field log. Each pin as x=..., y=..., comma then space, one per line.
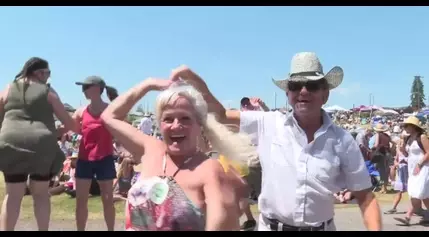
x=28, y=141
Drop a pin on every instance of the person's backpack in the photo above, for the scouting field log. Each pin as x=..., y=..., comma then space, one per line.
x=376, y=156
x=419, y=141
x=378, y=153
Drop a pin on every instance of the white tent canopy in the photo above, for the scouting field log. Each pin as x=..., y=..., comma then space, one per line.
x=388, y=111
x=334, y=108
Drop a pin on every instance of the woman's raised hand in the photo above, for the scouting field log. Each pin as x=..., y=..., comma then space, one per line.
x=159, y=84
x=186, y=74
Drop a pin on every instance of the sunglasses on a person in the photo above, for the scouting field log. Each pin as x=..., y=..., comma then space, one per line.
x=311, y=86
x=47, y=72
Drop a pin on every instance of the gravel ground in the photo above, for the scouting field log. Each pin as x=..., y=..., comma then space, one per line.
x=346, y=219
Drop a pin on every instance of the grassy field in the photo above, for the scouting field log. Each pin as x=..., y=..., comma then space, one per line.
x=63, y=207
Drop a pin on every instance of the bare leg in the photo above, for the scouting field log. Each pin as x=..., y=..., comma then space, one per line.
x=118, y=198
x=406, y=221
x=57, y=190
x=392, y=174
x=41, y=203
x=245, y=208
x=106, y=188
x=425, y=202
x=12, y=205
x=82, y=194
x=397, y=199
x=414, y=203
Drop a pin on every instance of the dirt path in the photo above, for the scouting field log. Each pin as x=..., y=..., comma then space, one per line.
x=346, y=219
x=349, y=219
x=69, y=225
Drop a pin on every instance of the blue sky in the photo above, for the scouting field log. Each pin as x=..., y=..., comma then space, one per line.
x=236, y=49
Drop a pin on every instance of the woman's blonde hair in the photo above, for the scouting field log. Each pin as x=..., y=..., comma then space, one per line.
x=125, y=164
x=235, y=146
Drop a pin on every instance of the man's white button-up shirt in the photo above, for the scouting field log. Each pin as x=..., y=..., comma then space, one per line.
x=299, y=178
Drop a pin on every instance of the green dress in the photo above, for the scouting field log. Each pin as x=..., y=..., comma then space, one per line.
x=28, y=137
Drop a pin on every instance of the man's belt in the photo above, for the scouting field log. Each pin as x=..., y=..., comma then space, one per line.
x=279, y=226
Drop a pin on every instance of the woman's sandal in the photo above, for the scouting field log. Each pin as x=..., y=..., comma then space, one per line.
x=391, y=211
x=405, y=221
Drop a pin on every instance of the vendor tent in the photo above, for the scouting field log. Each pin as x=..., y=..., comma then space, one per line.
x=334, y=108
x=387, y=111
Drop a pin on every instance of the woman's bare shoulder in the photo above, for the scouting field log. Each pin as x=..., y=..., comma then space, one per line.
x=208, y=162
x=211, y=169
x=153, y=157
x=79, y=111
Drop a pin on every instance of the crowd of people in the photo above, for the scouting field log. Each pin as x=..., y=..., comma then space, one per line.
x=395, y=154
x=193, y=164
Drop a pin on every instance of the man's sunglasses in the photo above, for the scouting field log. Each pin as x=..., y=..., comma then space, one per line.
x=311, y=86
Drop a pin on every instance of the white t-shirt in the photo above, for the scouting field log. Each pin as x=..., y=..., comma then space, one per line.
x=396, y=129
x=146, y=125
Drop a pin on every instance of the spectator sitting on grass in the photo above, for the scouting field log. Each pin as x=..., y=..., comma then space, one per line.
x=122, y=183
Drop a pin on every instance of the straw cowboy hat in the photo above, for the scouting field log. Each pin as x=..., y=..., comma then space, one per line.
x=380, y=127
x=306, y=66
x=414, y=121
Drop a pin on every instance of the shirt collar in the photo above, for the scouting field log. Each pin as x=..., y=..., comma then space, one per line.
x=327, y=121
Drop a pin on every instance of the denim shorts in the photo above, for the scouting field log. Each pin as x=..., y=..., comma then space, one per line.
x=103, y=169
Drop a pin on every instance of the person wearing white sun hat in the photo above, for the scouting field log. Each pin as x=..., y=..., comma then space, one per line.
x=415, y=148
x=305, y=157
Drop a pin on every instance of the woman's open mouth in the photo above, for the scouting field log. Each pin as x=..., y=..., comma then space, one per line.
x=177, y=138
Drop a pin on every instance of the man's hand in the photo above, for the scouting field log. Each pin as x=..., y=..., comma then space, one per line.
x=258, y=104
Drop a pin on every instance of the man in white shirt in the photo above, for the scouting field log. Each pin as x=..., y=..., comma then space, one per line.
x=146, y=125
x=396, y=129
x=254, y=178
x=362, y=139
x=305, y=158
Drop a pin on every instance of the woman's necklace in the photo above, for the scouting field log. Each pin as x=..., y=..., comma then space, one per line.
x=185, y=162
x=179, y=167
x=159, y=191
